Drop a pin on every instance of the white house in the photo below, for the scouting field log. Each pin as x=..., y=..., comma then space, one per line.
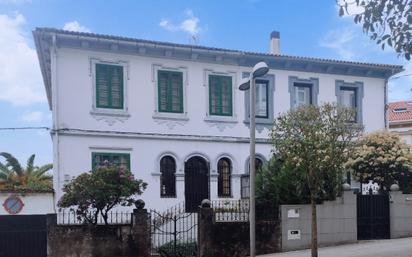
x=173, y=113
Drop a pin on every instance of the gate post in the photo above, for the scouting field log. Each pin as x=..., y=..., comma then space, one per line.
x=205, y=231
x=51, y=223
x=141, y=229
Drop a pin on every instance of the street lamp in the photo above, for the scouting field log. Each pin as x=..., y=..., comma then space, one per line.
x=260, y=69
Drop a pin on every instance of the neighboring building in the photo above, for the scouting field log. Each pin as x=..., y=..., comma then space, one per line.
x=400, y=119
x=173, y=113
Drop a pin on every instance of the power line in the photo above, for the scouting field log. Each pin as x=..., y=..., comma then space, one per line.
x=400, y=76
x=25, y=128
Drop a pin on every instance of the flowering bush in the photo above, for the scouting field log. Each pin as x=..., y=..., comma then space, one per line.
x=96, y=192
x=382, y=158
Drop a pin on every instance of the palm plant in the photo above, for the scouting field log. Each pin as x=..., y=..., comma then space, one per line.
x=14, y=176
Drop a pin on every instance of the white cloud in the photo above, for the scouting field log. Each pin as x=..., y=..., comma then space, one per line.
x=20, y=77
x=190, y=25
x=75, y=26
x=340, y=41
x=35, y=116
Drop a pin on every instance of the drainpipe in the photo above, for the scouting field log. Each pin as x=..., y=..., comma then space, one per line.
x=385, y=113
x=55, y=112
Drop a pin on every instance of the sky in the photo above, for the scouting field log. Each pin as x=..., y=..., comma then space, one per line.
x=307, y=28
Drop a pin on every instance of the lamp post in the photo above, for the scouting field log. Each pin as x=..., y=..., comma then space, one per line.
x=260, y=69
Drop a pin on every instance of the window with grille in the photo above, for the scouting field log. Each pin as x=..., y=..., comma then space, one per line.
x=109, y=86
x=220, y=95
x=245, y=180
x=348, y=99
x=115, y=159
x=224, y=179
x=167, y=177
x=170, y=91
x=262, y=99
x=303, y=94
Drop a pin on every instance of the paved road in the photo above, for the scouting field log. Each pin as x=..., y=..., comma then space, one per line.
x=379, y=248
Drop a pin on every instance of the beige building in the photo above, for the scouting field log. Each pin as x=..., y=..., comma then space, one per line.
x=400, y=119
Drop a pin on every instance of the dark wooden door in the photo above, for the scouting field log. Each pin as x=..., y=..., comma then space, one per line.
x=23, y=236
x=373, y=217
x=196, y=183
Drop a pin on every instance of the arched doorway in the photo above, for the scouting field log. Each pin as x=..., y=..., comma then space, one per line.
x=196, y=182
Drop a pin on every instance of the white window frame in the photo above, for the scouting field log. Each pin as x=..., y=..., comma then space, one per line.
x=120, y=113
x=169, y=115
x=217, y=118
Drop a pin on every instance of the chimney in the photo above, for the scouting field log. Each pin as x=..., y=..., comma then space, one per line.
x=275, y=42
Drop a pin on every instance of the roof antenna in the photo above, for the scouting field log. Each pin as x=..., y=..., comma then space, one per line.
x=194, y=39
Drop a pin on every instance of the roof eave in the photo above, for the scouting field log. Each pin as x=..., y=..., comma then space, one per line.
x=42, y=61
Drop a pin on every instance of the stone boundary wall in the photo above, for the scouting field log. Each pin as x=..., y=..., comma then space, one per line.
x=218, y=239
x=400, y=214
x=131, y=240
x=337, y=223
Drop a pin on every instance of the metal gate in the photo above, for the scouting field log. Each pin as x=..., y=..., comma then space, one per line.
x=174, y=232
x=373, y=217
x=23, y=236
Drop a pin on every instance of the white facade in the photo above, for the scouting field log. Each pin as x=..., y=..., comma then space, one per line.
x=146, y=134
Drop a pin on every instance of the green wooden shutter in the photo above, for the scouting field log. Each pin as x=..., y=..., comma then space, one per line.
x=162, y=91
x=220, y=95
x=109, y=86
x=102, y=86
x=170, y=91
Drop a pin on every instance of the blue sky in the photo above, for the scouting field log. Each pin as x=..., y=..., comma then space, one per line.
x=307, y=28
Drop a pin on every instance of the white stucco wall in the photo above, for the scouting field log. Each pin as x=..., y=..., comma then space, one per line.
x=34, y=203
x=74, y=83
x=405, y=133
x=75, y=100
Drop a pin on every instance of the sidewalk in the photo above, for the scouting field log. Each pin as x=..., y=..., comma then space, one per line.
x=377, y=248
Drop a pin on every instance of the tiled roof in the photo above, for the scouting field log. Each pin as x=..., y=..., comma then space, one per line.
x=134, y=40
x=400, y=111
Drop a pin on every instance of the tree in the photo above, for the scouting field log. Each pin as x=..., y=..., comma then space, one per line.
x=382, y=158
x=14, y=176
x=97, y=192
x=388, y=22
x=274, y=186
x=316, y=140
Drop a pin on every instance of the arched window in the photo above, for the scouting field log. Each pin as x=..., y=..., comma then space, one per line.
x=224, y=187
x=245, y=182
x=167, y=177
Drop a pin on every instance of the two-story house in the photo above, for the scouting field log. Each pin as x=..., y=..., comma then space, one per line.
x=173, y=113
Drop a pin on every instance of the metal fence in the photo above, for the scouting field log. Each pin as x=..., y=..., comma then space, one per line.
x=231, y=210
x=70, y=217
x=174, y=232
x=238, y=211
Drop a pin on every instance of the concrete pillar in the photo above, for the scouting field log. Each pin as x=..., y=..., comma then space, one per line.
x=141, y=231
x=51, y=223
x=205, y=230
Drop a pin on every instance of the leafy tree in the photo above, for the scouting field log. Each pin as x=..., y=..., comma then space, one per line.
x=274, y=186
x=388, y=22
x=316, y=140
x=14, y=176
x=97, y=192
x=382, y=158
